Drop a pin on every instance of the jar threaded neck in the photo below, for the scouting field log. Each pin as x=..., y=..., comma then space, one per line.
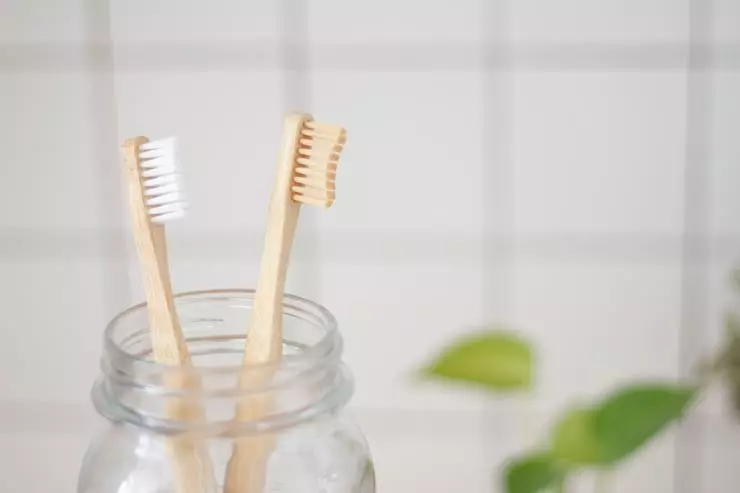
x=308, y=381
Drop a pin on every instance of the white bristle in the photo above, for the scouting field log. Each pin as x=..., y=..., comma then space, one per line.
x=162, y=181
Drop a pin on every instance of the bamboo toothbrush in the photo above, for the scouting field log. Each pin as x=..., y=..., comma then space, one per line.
x=155, y=197
x=306, y=172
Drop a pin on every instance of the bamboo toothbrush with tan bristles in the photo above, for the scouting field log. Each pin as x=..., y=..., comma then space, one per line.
x=306, y=174
x=155, y=197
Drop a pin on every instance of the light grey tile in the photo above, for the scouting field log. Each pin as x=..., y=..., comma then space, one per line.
x=394, y=318
x=173, y=21
x=466, y=448
x=606, y=21
x=618, y=322
x=718, y=439
x=61, y=454
x=51, y=174
x=388, y=22
x=54, y=320
x=414, y=156
x=724, y=21
x=723, y=154
x=42, y=22
x=599, y=152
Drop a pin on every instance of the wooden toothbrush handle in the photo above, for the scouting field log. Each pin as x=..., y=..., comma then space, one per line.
x=247, y=468
x=246, y=471
x=191, y=463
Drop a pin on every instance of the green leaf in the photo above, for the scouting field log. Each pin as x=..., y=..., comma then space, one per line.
x=537, y=473
x=574, y=438
x=495, y=360
x=630, y=417
x=622, y=423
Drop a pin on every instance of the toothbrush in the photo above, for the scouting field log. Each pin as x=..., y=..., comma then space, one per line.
x=306, y=175
x=155, y=197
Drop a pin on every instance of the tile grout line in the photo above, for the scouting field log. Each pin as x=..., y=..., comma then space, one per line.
x=688, y=465
x=385, y=245
x=497, y=64
x=498, y=186
x=104, y=119
x=405, y=57
x=295, y=66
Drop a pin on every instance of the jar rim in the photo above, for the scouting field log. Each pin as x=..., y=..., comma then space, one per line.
x=324, y=346
x=137, y=389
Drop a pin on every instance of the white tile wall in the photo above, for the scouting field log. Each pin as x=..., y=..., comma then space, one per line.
x=56, y=311
x=552, y=200
x=724, y=152
x=42, y=22
x=605, y=21
x=628, y=316
x=596, y=153
x=401, y=314
x=725, y=16
x=720, y=455
x=389, y=22
x=49, y=450
x=412, y=165
x=222, y=21
x=49, y=176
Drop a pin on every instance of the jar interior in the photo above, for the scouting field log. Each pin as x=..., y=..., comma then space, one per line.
x=308, y=379
x=216, y=328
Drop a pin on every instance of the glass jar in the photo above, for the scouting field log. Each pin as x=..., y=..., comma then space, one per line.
x=313, y=446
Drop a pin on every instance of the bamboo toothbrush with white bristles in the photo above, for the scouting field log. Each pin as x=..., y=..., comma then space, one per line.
x=155, y=197
x=306, y=174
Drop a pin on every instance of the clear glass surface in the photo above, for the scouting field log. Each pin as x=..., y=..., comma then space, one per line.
x=316, y=447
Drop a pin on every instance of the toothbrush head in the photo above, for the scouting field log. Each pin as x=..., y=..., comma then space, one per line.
x=315, y=168
x=161, y=180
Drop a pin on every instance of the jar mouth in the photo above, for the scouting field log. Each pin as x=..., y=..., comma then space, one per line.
x=321, y=348
x=309, y=377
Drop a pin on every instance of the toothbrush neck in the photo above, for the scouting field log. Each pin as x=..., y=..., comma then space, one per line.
x=281, y=228
x=266, y=328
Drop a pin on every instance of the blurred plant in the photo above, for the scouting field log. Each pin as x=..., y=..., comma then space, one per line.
x=596, y=437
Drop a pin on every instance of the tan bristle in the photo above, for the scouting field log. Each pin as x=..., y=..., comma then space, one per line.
x=326, y=167
x=323, y=128
x=317, y=152
x=313, y=192
x=301, y=172
x=325, y=195
x=328, y=145
x=320, y=146
x=339, y=137
x=321, y=183
x=311, y=201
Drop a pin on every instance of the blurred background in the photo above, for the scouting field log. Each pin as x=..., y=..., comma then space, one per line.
x=567, y=168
